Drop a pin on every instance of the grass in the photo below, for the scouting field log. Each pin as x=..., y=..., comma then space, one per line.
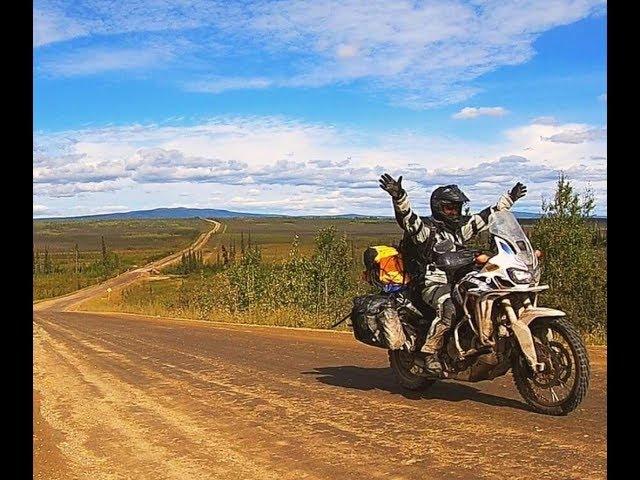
x=161, y=298
x=275, y=235
x=134, y=243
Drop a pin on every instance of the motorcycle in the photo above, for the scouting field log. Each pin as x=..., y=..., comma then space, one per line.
x=499, y=325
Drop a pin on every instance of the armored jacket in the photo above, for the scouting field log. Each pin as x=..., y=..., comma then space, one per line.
x=425, y=232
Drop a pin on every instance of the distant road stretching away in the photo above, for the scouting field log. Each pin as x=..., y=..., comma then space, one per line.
x=120, y=396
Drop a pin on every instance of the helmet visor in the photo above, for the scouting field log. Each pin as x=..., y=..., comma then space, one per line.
x=452, y=209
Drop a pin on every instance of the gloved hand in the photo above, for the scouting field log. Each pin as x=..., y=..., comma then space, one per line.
x=518, y=191
x=392, y=187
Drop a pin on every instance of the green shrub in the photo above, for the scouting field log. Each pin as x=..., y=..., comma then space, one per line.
x=575, y=260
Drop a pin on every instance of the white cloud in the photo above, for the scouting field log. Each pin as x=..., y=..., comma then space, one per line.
x=220, y=84
x=475, y=112
x=53, y=26
x=56, y=21
x=296, y=165
x=603, y=97
x=581, y=135
x=72, y=190
x=418, y=54
x=98, y=60
x=101, y=209
x=346, y=51
x=545, y=120
x=40, y=209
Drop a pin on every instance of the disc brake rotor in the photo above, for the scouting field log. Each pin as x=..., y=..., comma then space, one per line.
x=549, y=376
x=561, y=358
x=557, y=364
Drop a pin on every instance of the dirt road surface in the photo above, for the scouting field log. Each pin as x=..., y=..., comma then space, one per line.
x=121, y=396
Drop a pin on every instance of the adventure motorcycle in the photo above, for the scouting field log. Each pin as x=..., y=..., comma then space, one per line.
x=499, y=325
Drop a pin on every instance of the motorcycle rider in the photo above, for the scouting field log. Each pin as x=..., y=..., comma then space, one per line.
x=446, y=221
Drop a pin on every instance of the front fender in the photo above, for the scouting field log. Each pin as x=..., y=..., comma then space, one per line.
x=529, y=314
x=522, y=332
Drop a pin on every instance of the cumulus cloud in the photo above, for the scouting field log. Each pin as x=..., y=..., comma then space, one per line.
x=475, y=112
x=418, y=54
x=72, y=190
x=77, y=171
x=272, y=159
x=157, y=165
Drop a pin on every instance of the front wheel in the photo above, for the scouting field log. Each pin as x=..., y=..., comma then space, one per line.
x=404, y=370
x=563, y=383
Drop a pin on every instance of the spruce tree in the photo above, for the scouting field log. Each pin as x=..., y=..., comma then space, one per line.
x=47, y=261
x=77, y=258
x=104, y=252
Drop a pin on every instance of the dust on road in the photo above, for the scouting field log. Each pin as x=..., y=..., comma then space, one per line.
x=137, y=397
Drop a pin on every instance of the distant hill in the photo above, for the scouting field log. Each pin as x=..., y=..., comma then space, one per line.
x=178, y=212
x=182, y=212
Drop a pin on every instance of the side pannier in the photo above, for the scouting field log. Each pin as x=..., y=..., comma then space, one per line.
x=375, y=321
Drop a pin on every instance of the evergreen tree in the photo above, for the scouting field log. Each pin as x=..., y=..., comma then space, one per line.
x=225, y=255
x=47, y=267
x=105, y=260
x=77, y=258
x=574, y=264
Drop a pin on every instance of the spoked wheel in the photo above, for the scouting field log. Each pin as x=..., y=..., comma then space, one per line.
x=405, y=371
x=563, y=383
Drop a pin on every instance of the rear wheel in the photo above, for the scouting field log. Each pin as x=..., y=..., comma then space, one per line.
x=405, y=371
x=563, y=383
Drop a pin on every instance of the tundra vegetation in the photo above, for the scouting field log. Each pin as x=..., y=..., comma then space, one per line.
x=72, y=254
x=304, y=272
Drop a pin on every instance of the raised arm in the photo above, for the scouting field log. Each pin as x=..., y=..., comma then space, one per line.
x=408, y=220
x=480, y=221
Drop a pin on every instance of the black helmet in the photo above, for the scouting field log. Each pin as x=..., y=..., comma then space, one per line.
x=447, y=194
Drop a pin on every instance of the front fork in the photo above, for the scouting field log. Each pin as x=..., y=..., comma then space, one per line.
x=523, y=335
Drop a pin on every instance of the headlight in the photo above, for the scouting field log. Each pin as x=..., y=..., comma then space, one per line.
x=520, y=276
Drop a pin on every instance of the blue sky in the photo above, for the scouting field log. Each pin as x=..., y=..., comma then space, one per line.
x=297, y=107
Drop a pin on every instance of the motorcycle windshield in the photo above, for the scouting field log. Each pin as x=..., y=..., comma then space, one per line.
x=503, y=224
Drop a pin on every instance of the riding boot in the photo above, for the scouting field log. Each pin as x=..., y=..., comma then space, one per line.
x=435, y=340
x=430, y=348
